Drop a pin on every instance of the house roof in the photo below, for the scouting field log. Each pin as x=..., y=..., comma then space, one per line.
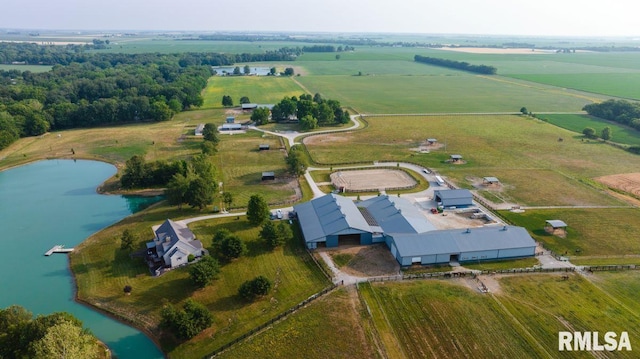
x=396, y=215
x=556, y=223
x=455, y=241
x=175, y=231
x=330, y=215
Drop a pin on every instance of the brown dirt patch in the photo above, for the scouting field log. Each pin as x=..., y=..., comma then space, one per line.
x=558, y=232
x=371, y=180
x=626, y=182
x=368, y=261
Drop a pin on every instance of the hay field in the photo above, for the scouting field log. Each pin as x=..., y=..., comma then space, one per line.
x=259, y=89
x=627, y=182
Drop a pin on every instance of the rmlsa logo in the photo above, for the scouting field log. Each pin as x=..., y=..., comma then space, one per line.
x=592, y=341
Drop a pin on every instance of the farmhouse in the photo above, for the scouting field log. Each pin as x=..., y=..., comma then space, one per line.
x=451, y=198
x=333, y=220
x=172, y=246
x=266, y=176
x=199, y=129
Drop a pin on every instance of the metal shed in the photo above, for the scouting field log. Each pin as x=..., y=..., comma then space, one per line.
x=454, y=197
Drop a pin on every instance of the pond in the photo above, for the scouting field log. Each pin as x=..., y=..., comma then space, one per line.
x=55, y=202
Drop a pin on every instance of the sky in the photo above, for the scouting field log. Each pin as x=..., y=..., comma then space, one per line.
x=491, y=17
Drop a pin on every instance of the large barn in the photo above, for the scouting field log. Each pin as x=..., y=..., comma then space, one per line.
x=333, y=220
x=454, y=198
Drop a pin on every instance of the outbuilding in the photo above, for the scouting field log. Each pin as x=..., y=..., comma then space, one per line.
x=199, y=130
x=266, y=176
x=231, y=127
x=461, y=245
x=230, y=119
x=490, y=181
x=455, y=158
x=556, y=227
x=431, y=141
x=449, y=198
x=263, y=147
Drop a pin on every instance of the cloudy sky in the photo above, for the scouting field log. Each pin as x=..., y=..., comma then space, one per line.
x=499, y=17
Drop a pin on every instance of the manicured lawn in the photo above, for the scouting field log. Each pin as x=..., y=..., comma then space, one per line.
x=102, y=270
x=327, y=328
x=595, y=232
x=577, y=123
x=259, y=89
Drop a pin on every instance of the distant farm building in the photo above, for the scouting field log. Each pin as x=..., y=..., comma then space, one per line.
x=253, y=106
x=333, y=220
x=231, y=127
x=199, y=129
x=490, y=181
x=266, y=176
x=263, y=147
x=455, y=158
x=556, y=227
x=450, y=198
x=431, y=141
x=230, y=119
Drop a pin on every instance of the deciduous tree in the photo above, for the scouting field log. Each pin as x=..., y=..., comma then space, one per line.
x=257, y=210
x=606, y=133
x=260, y=116
x=128, y=240
x=232, y=247
x=203, y=272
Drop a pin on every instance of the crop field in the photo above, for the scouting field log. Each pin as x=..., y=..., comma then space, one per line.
x=31, y=68
x=591, y=233
x=295, y=278
x=546, y=304
x=259, y=89
x=242, y=164
x=576, y=123
x=327, y=328
x=486, y=143
x=393, y=94
x=442, y=320
x=625, y=85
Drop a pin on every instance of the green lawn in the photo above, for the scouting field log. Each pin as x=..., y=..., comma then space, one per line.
x=259, y=89
x=577, y=123
x=31, y=68
x=595, y=232
x=102, y=270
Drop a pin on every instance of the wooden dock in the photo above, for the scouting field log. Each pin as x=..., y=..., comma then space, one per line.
x=58, y=249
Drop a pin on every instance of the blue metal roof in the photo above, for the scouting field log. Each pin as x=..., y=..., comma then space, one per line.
x=396, y=215
x=330, y=215
x=455, y=241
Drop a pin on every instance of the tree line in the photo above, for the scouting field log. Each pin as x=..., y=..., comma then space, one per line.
x=458, y=65
x=621, y=111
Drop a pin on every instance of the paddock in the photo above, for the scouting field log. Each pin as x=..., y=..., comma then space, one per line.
x=371, y=180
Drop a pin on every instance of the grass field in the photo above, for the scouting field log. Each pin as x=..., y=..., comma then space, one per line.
x=577, y=123
x=623, y=85
x=259, y=89
x=442, y=320
x=328, y=328
x=441, y=93
x=595, y=232
x=102, y=270
x=31, y=68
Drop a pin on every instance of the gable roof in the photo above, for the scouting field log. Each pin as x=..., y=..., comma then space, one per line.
x=448, y=194
x=330, y=215
x=174, y=231
x=396, y=215
x=456, y=241
x=556, y=223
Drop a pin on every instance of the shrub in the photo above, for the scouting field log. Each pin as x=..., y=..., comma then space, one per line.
x=252, y=289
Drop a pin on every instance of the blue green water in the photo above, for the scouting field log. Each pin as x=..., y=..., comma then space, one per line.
x=55, y=202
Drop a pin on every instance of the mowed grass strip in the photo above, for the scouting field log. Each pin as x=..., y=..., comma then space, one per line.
x=590, y=232
x=547, y=304
x=442, y=320
x=327, y=328
x=102, y=270
x=439, y=94
x=259, y=89
x=577, y=123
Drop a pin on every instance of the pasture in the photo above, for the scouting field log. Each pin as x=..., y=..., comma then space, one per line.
x=577, y=123
x=442, y=93
x=327, y=328
x=102, y=269
x=605, y=235
x=623, y=85
x=259, y=89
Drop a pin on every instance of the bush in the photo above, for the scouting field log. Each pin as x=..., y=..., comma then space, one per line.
x=232, y=247
x=188, y=322
x=252, y=289
x=204, y=271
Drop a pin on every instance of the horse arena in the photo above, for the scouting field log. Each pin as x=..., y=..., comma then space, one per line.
x=371, y=180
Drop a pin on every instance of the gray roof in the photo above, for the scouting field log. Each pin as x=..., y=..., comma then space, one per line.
x=231, y=125
x=556, y=223
x=456, y=157
x=330, y=215
x=268, y=174
x=431, y=140
x=175, y=231
x=396, y=215
x=453, y=194
x=491, y=179
x=455, y=241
